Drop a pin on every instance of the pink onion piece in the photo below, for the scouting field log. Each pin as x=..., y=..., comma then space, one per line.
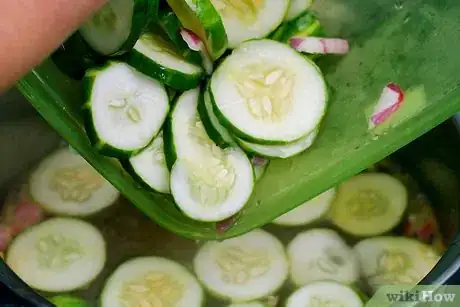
x=192, y=40
x=390, y=100
x=319, y=45
x=223, y=226
x=25, y=215
x=196, y=44
x=259, y=160
x=6, y=235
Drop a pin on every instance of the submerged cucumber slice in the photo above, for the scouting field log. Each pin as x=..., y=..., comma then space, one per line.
x=115, y=28
x=321, y=254
x=65, y=184
x=208, y=183
x=266, y=93
x=248, y=19
x=297, y=7
x=215, y=130
x=369, y=204
x=157, y=58
x=58, y=255
x=244, y=268
x=125, y=109
x=201, y=17
x=280, y=151
x=152, y=281
x=394, y=260
x=325, y=293
x=309, y=211
x=150, y=166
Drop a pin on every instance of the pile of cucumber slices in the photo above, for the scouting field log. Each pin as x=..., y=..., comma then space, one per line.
x=195, y=97
x=318, y=265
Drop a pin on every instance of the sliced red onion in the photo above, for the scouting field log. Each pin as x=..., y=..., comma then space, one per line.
x=6, y=235
x=259, y=160
x=390, y=100
x=319, y=45
x=26, y=215
x=192, y=40
x=196, y=44
x=223, y=226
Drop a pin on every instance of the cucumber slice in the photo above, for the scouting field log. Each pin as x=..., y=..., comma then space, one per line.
x=150, y=166
x=201, y=17
x=68, y=301
x=321, y=254
x=369, y=204
x=215, y=130
x=245, y=20
x=297, y=7
x=394, y=260
x=125, y=109
x=309, y=211
x=152, y=281
x=171, y=26
x=208, y=183
x=115, y=28
x=65, y=184
x=266, y=93
x=58, y=255
x=157, y=58
x=324, y=293
x=306, y=24
x=280, y=151
x=249, y=304
x=244, y=268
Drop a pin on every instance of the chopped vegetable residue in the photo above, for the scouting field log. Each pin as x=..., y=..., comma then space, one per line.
x=319, y=45
x=390, y=100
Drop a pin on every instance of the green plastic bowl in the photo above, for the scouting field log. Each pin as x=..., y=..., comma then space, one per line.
x=412, y=43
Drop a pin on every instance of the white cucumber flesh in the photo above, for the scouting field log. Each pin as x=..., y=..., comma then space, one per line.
x=389, y=260
x=152, y=281
x=65, y=184
x=154, y=48
x=127, y=108
x=309, y=211
x=266, y=93
x=280, y=151
x=245, y=268
x=369, y=204
x=208, y=183
x=321, y=254
x=58, y=255
x=297, y=7
x=246, y=20
x=325, y=293
x=150, y=165
x=109, y=28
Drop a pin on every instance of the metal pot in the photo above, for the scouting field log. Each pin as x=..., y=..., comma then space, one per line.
x=432, y=160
